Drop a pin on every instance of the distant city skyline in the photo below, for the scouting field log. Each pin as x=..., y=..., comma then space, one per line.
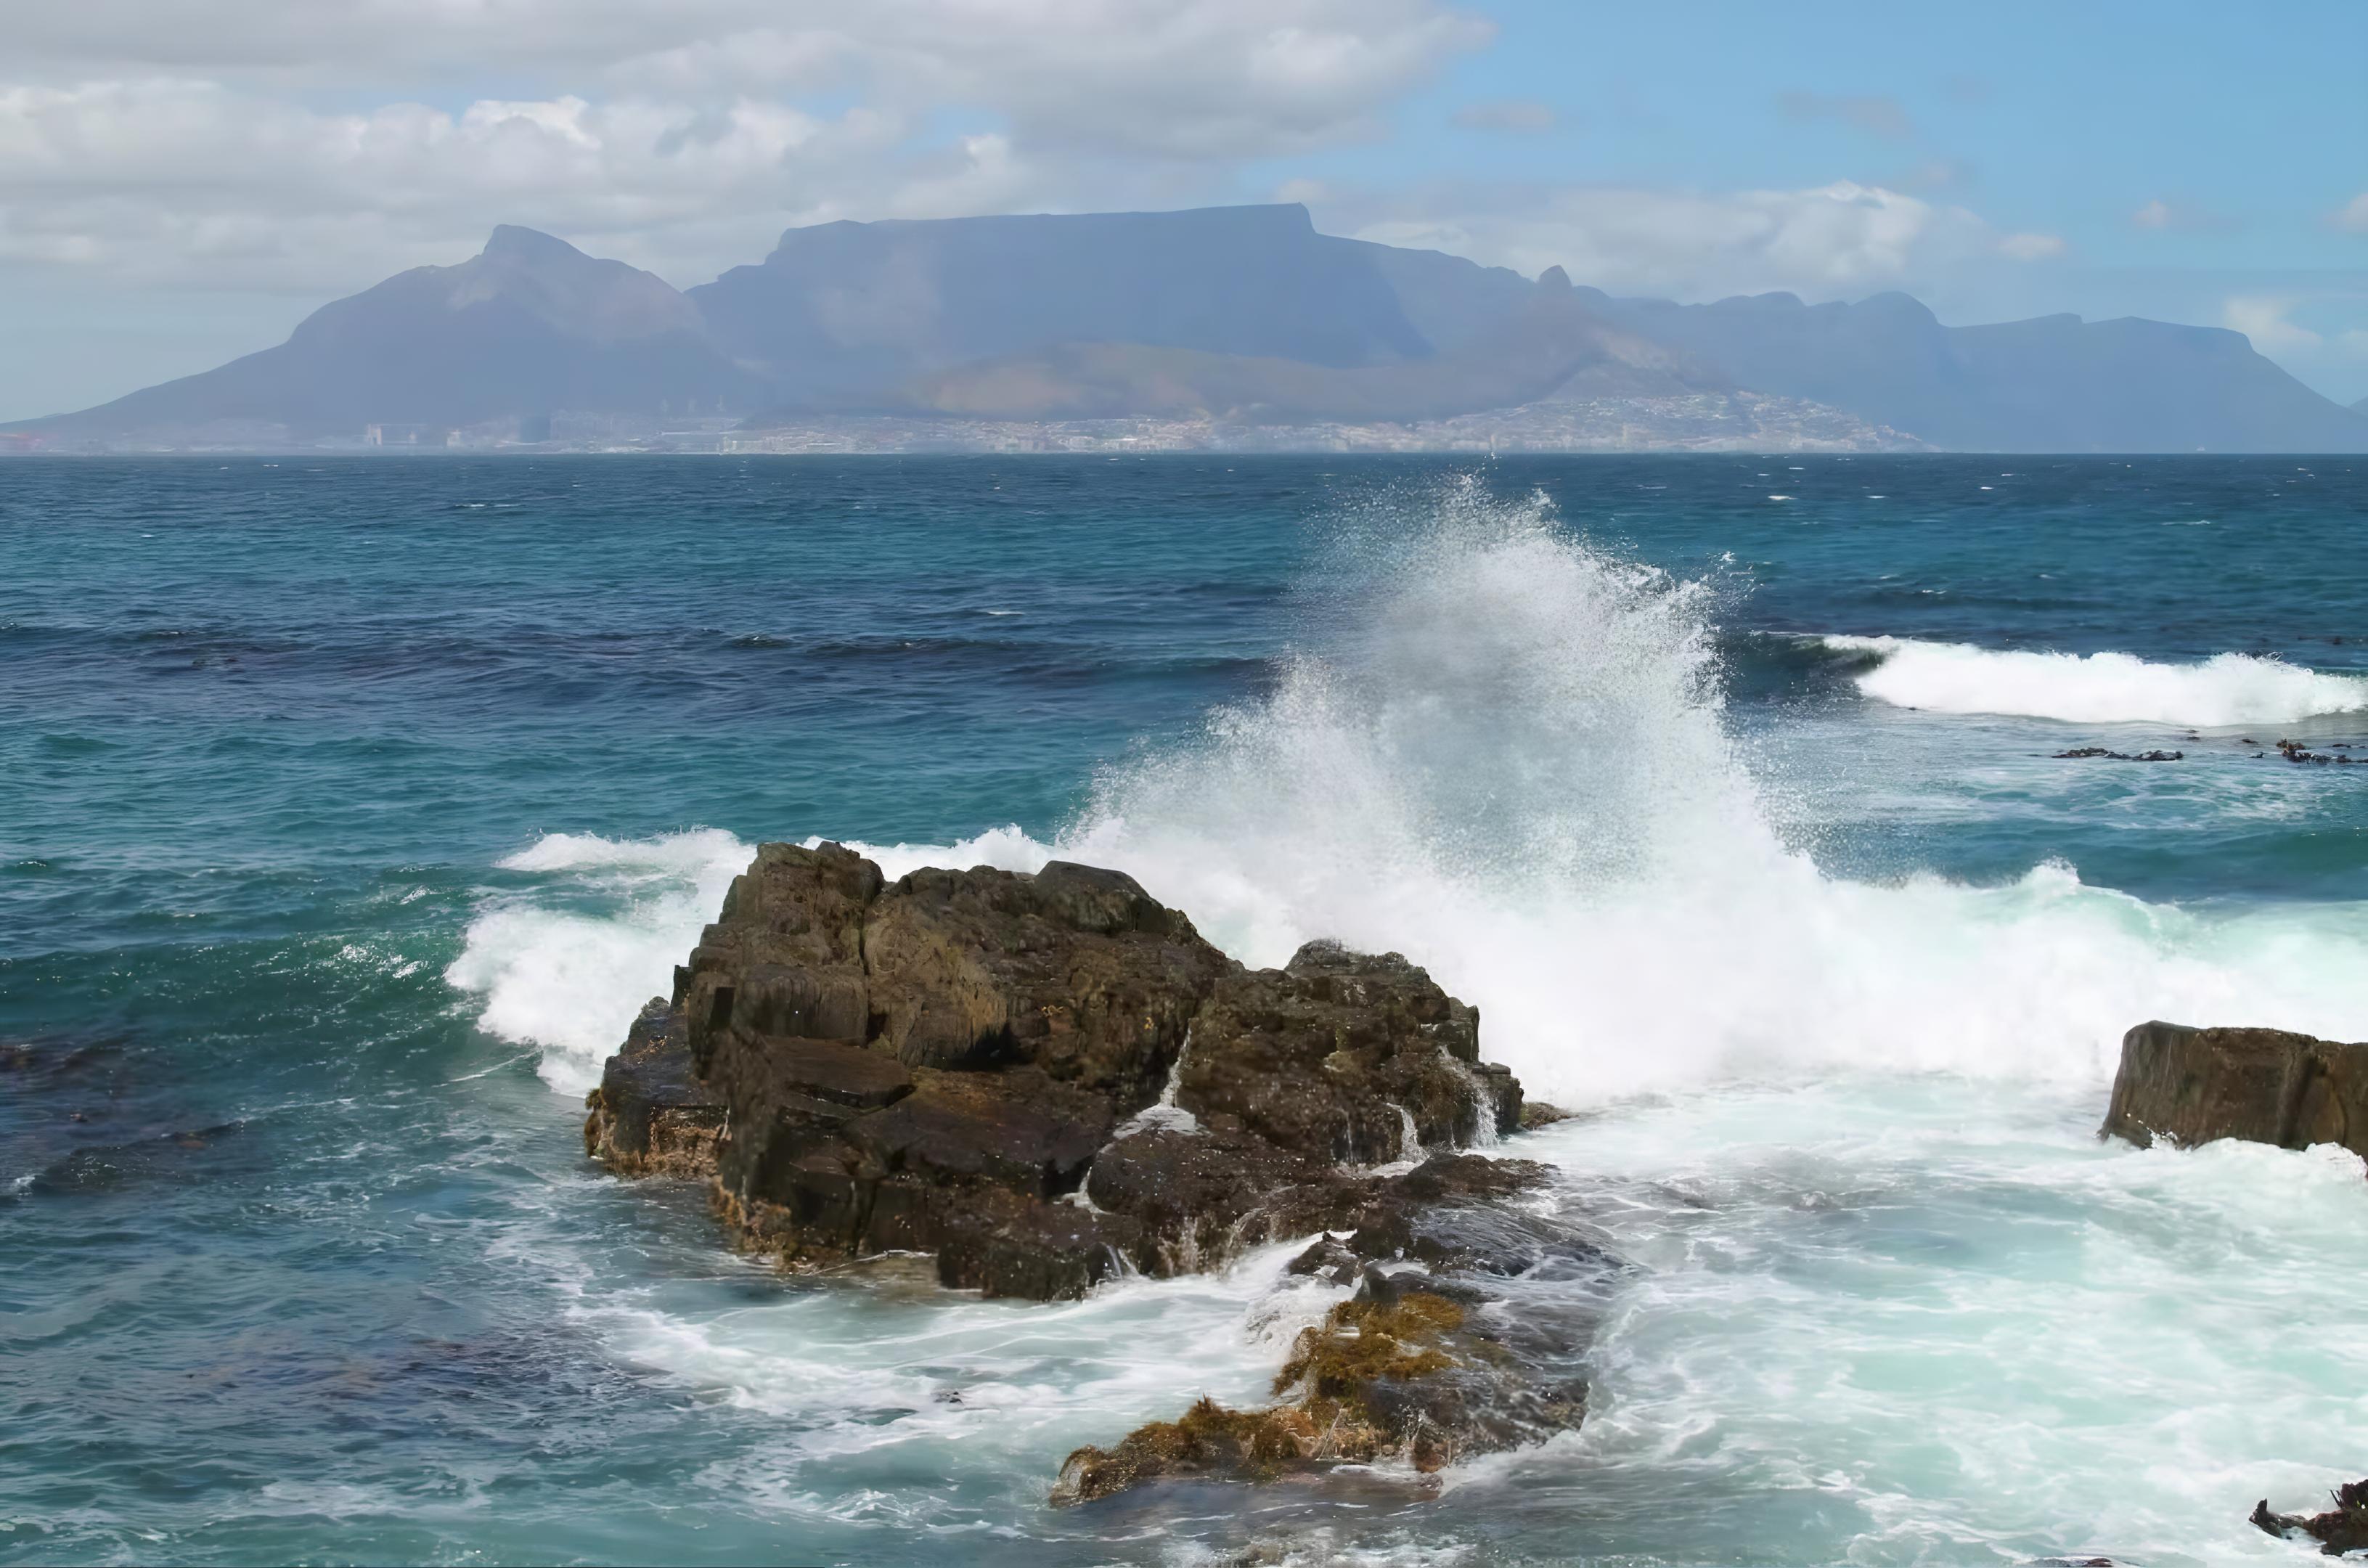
x=181, y=184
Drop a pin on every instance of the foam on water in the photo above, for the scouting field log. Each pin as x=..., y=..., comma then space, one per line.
x=1966, y=1327
x=2227, y=689
x=566, y=963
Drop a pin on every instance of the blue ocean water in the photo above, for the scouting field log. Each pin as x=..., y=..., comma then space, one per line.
x=348, y=809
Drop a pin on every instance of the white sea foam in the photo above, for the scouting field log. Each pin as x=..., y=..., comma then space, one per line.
x=566, y=963
x=1506, y=759
x=2230, y=689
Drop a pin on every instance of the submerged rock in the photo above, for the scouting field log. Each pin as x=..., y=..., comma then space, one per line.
x=1463, y=1335
x=2192, y=1085
x=2342, y=1528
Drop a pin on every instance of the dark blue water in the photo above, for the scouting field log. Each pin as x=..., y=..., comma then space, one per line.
x=304, y=1259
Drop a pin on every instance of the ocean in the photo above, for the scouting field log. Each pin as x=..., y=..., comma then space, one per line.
x=349, y=809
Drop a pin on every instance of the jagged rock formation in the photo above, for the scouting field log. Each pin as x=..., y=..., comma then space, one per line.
x=1045, y=1080
x=2192, y=1085
x=1042, y=1080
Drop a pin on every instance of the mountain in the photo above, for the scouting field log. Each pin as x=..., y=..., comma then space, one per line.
x=528, y=326
x=846, y=310
x=2054, y=384
x=1549, y=343
x=1233, y=314
x=2361, y=407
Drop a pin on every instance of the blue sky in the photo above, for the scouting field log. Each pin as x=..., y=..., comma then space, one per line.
x=179, y=184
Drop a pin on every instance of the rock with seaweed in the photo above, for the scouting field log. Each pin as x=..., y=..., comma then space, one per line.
x=1464, y=1335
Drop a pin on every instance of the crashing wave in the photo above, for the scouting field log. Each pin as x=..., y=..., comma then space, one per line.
x=1504, y=756
x=2097, y=689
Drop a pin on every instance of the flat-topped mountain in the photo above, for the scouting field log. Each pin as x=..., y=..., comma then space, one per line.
x=1233, y=314
x=854, y=311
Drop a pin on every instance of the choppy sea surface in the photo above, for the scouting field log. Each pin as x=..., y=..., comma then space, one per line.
x=349, y=809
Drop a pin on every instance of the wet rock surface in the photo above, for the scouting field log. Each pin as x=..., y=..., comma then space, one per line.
x=2342, y=1528
x=1043, y=1081
x=650, y=1117
x=2192, y=1085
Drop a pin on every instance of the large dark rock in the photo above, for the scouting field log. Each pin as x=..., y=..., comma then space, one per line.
x=2192, y=1085
x=1042, y=1080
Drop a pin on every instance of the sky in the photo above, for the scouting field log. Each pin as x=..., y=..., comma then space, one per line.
x=181, y=183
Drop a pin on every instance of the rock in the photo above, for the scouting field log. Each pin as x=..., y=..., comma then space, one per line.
x=1345, y=1056
x=2342, y=1528
x=650, y=1116
x=2192, y=1085
x=967, y=1064
x=1425, y=1363
x=1537, y=1113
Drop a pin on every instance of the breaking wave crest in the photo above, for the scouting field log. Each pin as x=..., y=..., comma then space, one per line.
x=1502, y=753
x=2230, y=689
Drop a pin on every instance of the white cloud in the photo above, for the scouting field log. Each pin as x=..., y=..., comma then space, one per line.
x=168, y=142
x=2156, y=214
x=1840, y=240
x=2263, y=318
x=2032, y=247
x=2353, y=214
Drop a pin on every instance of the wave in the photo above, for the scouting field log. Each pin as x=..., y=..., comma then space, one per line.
x=1503, y=755
x=2227, y=689
x=565, y=963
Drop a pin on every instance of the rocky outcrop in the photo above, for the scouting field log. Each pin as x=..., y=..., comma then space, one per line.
x=2342, y=1528
x=2192, y=1085
x=1045, y=1080
x=1040, y=1080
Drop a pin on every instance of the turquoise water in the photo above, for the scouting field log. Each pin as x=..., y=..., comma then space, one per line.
x=351, y=808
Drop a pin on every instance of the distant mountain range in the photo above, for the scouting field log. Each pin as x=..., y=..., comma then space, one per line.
x=1244, y=315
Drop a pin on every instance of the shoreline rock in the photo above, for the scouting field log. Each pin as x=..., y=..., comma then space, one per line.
x=1047, y=1081
x=2195, y=1086
x=2342, y=1528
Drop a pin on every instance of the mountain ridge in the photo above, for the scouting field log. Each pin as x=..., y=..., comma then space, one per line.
x=1238, y=313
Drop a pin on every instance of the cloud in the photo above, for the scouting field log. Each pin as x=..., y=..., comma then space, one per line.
x=2352, y=216
x=2032, y=247
x=2178, y=217
x=1873, y=113
x=1839, y=240
x=2263, y=318
x=143, y=140
x=1521, y=117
